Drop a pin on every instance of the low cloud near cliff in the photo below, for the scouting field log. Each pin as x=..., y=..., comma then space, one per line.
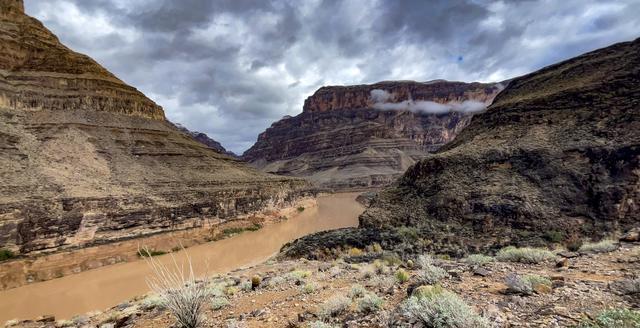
x=383, y=100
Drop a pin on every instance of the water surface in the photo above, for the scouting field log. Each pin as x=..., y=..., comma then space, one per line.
x=108, y=286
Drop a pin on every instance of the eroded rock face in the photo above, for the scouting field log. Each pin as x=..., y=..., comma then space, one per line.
x=37, y=71
x=204, y=139
x=559, y=150
x=85, y=158
x=343, y=140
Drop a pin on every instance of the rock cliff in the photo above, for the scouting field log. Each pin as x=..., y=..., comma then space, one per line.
x=367, y=135
x=558, y=152
x=86, y=159
x=204, y=139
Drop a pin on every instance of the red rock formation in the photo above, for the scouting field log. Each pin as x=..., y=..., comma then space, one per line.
x=340, y=141
x=37, y=71
x=85, y=158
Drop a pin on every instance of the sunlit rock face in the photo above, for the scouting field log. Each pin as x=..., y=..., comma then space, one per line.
x=354, y=137
x=86, y=158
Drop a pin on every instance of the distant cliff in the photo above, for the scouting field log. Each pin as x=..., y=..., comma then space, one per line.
x=204, y=139
x=347, y=137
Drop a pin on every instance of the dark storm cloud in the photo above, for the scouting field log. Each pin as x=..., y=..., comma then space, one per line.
x=229, y=68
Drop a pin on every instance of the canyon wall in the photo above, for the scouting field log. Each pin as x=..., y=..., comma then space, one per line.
x=558, y=152
x=86, y=159
x=342, y=140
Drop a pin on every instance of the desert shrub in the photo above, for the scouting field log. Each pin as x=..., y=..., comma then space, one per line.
x=231, y=290
x=298, y=275
x=246, y=286
x=216, y=290
x=391, y=259
x=380, y=267
x=383, y=284
x=218, y=303
x=376, y=248
x=357, y=291
x=477, y=259
x=355, y=252
x=367, y=271
x=613, y=318
x=437, y=307
x=602, y=246
x=370, y=303
x=402, y=276
x=429, y=273
x=554, y=236
x=276, y=282
x=335, y=271
x=525, y=284
x=6, y=254
x=151, y=302
x=309, y=288
x=408, y=234
x=334, y=306
x=181, y=293
x=300, y=208
x=524, y=255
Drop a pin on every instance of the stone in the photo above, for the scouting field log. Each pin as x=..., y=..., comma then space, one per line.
x=481, y=272
x=631, y=236
x=568, y=254
x=342, y=141
x=500, y=177
x=563, y=263
x=87, y=159
x=46, y=318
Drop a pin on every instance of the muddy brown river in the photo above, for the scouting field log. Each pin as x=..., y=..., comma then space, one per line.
x=108, y=286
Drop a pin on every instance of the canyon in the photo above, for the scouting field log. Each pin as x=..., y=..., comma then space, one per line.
x=555, y=157
x=87, y=159
x=344, y=139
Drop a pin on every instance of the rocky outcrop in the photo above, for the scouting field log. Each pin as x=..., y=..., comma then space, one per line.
x=557, y=152
x=204, y=139
x=346, y=138
x=86, y=159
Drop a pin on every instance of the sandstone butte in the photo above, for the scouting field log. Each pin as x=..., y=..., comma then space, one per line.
x=343, y=141
x=88, y=159
x=558, y=152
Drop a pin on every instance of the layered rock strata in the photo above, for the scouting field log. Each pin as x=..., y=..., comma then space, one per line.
x=345, y=138
x=555, y=158
x=86, y=159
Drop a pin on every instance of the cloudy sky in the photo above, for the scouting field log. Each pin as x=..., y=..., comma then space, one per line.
x=230, y=68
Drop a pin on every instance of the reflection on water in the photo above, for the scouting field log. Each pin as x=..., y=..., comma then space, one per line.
x=107, y=286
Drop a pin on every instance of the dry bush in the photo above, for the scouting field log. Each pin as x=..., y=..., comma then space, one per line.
x=179, y=290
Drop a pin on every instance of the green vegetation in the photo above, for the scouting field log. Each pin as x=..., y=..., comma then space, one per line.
x=355, y=252
x=478, y=259
x=402, y=276
x=408, y=233
x=237, y=230
x=524, y=255
x=218, y=303
x=300, y=208
x=429, y=273
x=554, y=236
x=309, y=288
x=613, y=318
x=370, y=303
x=602, y=246
x=436, y=307
x=6, y=254
x=357, y=291
x=334, y=306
